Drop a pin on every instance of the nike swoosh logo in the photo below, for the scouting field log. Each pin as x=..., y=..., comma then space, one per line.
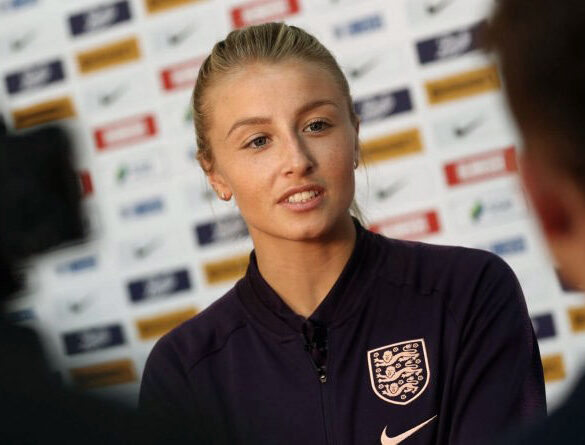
x=19, y=44
x=146, y=249
x=180, y=36
x=438, y=7
x=109, y=98
x=385, y=440
x=391, y=190
x=363, y=69
x=463, y=130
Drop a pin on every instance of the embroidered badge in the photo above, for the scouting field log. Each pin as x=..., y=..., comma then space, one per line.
x=399, y=372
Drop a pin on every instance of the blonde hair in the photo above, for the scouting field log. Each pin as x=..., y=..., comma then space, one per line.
x=269, y=42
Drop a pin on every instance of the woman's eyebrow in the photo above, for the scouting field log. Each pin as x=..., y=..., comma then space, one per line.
x=258, y=120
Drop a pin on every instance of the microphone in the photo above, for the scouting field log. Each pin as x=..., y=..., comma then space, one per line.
x=316, y=344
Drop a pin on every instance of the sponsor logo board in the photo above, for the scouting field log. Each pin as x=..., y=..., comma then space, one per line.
x=126, y=131
x=76, y=265
x=410, y=226
x=104, y=374
x=37, y=76
x=154, y=327
x=99, y=18
x=154, y=6
x=481, y=167
x=463, y=85
x=544, y=326
x=577, y=318
x=229, y=269
x=383, y=106
x=85, y=183
x=107, y=56
x=12, y=5
x=508, y=246
x=159, y=286
x=360, y=26
x=447, y=46
x=43, y=113
x=488, y=207
x=93, y=339
x=254, y=12
x=392, y=146
x=181, y=75
x=142, y=208
x=554, y=368
x=228, y=228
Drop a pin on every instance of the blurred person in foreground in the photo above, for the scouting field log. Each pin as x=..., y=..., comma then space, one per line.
x=541, y=48
x=40, y=210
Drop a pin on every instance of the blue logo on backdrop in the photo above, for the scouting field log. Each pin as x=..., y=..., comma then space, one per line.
x=143, y=208
x=382, y=106
x=93, y=339
x=159, y=286
x=99, y=18
x=37, y=76
x=360, y=26
x=229, y=228
x=7, y=5
x=509, y=246
x=77, y=265
x=19, y=316
x=544, y=326
x=449, y=45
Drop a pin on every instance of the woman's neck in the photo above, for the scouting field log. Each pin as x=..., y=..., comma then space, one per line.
x=303, y=272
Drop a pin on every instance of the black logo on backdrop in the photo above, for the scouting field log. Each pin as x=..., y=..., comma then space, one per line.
x=544, y=326
x=229, y=228
x=99, y=18
x=450, y=45
x=382, y=106
x=37, y=76
x=93, y=339
x=159, y=286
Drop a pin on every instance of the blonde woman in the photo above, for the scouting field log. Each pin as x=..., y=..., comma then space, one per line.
x=335, y=335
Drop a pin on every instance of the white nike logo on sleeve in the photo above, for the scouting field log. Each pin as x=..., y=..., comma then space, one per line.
x=385, y=440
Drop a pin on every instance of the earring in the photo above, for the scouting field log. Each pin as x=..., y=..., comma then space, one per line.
x=223, y=196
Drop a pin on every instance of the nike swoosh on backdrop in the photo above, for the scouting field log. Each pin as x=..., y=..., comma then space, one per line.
x=463, y=130
x=438, y=7
x=385, y=440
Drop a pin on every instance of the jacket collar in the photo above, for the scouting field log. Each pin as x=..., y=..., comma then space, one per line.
x=266, y=307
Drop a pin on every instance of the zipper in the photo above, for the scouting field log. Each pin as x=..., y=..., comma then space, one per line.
x=320, y=368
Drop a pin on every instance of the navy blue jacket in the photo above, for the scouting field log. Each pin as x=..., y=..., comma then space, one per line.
x=414, y=344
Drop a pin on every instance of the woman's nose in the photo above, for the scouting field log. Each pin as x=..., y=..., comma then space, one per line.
x=298, y=157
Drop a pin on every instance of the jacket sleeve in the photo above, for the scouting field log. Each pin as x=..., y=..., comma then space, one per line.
x=498, y=383
x=165, y=392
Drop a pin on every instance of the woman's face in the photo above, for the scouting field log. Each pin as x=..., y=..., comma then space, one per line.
x=284, y=146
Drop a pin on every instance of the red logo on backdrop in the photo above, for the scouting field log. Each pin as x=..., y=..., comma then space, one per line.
x=409, y=226
x=85, y=183
x=124, y=132
x=181, y=75
x=263, y=11
x=481, y=167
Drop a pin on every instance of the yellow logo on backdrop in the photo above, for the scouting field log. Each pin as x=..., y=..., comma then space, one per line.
x=106, y=56
x=43, y=112
x=577, y=318
x=154, y=327
x=553, y=367
x=104, y=374
x=226, y=270
x=463, y=85
x=153, y=6
x=392, y=146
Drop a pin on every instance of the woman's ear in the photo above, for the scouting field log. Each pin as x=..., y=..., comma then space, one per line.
x=219, y=184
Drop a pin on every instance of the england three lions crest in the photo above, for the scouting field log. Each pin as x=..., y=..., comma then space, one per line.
x=399, y=372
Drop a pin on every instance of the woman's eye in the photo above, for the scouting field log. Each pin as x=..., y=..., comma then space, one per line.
x=317, y=126
x=258, y=142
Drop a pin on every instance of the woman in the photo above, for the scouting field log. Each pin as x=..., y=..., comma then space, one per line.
x=335, y=334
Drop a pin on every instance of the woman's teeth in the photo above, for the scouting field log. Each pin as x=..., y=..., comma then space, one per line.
x=302, y=196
